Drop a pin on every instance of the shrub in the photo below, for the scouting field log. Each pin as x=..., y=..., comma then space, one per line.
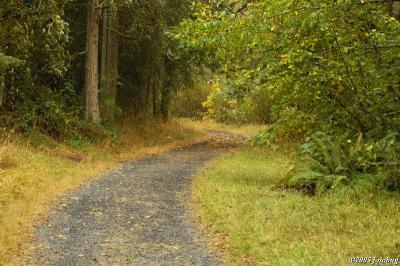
x=291, y=127
x=326, y=155
x=189, y=102
x=221, y=107
x=327, y=164
x=257, y=107
x=332, y=161
x=388, y=161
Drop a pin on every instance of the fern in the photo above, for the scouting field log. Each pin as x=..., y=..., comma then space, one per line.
x=6, y=61
x=316, y=165
x=331, y=154
x=306, y=177
x=327, y=164
x=320, y=181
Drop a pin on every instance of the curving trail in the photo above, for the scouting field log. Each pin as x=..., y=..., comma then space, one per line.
x=136, y=215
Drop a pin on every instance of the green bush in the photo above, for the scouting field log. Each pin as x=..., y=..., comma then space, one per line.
x=317, y=181
x=257, y=107
x=326, y=155
x=221, y=106
x=334, y=160
x=327, y=165
x=94, y=133
x=387, y=158
x=263, y=139
x=189, y=102
x=291, y=127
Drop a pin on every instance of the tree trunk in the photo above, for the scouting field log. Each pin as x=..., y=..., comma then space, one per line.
x=103, y=60
x=112, y=66
x=109, y=64
x=2, y=89
x=92, y=68
x=396, y=9
x=155, y=88
x=148, y=101
x=158, y=84
x=159, y=70
x=165, y=103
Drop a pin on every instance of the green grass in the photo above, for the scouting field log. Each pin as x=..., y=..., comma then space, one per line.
x=262, y=224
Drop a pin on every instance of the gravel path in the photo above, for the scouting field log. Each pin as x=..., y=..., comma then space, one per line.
x=136, y=215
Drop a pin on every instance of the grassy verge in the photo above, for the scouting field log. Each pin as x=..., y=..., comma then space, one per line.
x=35, y=171
x=261, y=224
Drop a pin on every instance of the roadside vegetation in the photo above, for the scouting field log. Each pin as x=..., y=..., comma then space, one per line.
x=320, y=182
x=35, y=170
x=257, y=220
x=321, y=74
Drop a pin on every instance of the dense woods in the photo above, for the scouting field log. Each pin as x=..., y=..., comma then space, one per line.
x=63, y=62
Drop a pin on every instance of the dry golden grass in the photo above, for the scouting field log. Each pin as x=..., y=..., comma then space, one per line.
x=247, y=130
x=31, y=178
x=6, y=160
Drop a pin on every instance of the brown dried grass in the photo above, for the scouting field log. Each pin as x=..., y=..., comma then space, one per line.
x=32, y=178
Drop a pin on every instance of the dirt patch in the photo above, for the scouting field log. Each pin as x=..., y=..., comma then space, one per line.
x=6, y=162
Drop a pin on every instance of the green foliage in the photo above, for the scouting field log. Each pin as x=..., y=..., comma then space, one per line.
x=321, y=66
x=7, y=61
x=318, y=181
x=33, y=64
x=325, y=155
x=328, y=165
x=386, y=155
x=293, y=126
x=42, y=64
x=84, y=132
x=188, y=102
x=263, y=139
x=257, y=108
x=150, y=73
x=332, y=161
x=330, y=60
x=221, y=107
